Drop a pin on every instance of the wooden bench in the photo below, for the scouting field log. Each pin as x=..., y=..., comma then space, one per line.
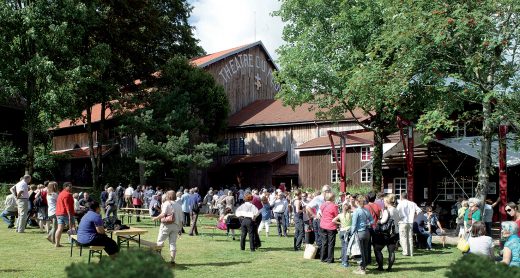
x=92, y=249
x=152, y=245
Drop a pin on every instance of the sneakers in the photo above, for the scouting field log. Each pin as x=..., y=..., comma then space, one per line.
x=345, y=265
x=360, y=272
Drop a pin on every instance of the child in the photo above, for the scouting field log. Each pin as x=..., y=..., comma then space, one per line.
x=226, y=218
x=345, y=221
x=266, y=216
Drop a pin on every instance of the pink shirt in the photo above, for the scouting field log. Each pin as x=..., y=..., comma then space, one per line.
x=329, y=211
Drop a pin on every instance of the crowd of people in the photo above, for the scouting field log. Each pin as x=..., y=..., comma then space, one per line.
x=364, y=222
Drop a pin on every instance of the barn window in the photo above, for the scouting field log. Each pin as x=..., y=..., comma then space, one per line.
x=365, y=154
x=400, y=186
x=338, y=154
x=236, y=146
x=334, y=176
x=366, y=175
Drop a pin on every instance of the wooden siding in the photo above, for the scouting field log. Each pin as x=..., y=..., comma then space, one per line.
x=315, y=167
x=67, y=142
x=285, y=138
x=238, y=74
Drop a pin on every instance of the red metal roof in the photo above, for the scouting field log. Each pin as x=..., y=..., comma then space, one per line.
x=217, y=56
x=324, y=142
x=273, y=112
x=96, y=117
x=257, y=158
x=83, y=152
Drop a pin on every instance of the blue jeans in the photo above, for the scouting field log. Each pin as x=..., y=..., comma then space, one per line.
x=344, y=237
x=426, y=235
x=12, y=214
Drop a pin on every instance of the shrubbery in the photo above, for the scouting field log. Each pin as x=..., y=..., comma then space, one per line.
x=478, y=266
x=135, y=263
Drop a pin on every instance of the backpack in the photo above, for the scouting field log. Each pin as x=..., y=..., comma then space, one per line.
x=38, y=202
x=387, y=228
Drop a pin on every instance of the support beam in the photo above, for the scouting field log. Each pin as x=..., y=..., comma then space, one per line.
x=502, y=170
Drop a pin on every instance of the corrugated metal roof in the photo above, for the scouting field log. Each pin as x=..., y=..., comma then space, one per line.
x=273, y=112
x=257, y=158
x=217, y=56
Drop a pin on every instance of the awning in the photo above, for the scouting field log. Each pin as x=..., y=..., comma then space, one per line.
x=257, y=158
x=471, y=146
x=81, y=153
x=286, y=170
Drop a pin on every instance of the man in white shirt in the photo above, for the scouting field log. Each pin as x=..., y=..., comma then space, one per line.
x=248, y=212
x=21, y=192
x=407, y=210
x=280, y=205
x=129, y=191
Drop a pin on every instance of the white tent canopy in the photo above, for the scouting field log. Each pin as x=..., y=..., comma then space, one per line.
x=471, y=146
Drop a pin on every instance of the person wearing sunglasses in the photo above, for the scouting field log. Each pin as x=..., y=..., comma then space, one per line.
x=512, y=210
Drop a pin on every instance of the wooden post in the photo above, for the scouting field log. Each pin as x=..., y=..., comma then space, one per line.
x=343, y=185
x=410, y=165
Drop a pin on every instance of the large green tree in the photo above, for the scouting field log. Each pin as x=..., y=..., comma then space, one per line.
x=178, y=119
x=34, y=35
x=123, y=41
x=339, y=56
x=473, y=46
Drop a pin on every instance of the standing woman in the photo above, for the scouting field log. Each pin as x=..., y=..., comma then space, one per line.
x=297, y=205
x=111, y=203
x=328, y=229
x=460, y=218
x=389, y=240
x=42, y=207
x=138, y=200
x=361, y=221
x=170, y=231
x=472, y=214
x=512, y=210
x=52, y=197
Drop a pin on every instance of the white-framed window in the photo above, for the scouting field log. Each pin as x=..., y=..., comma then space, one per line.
x=334, y=176
x=366, y=155
x=236, y=146
x=366, y=175
x=400, y=185
x=338, y=154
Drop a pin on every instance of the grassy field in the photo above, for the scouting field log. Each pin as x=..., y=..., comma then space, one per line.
x=30, y=255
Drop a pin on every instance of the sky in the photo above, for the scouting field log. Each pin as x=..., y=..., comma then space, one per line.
x=224, y=24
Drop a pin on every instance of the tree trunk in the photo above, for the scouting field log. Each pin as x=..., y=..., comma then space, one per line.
x=91, y=148
x=485, y=152
x=29, y=162
x=100, y=140
x=377, y=164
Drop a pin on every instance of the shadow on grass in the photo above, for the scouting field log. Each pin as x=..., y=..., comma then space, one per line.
x=188, y=266
x=10, y=270
x=288, y=248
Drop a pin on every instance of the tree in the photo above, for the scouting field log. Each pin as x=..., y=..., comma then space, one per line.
x=339, y=56
x=473, y=46
x=122, y=41
x=32, y=38
x=184, y=112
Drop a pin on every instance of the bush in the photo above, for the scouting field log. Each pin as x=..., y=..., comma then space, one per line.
x=134, y=263
x=478, y=266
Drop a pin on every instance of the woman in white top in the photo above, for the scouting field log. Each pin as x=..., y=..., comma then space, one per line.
x=170, y=231
x=479, y=242
x=52, y=198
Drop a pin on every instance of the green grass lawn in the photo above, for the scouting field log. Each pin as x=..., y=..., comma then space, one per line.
x=31, y=255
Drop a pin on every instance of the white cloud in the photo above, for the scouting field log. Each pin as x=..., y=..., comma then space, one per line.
x=224, y=24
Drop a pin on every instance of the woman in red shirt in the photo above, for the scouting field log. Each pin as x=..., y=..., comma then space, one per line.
x=328, y=229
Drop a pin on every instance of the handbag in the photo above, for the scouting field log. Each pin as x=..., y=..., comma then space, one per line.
x=168, y=219
x=310, y=251
x=353, y=248
x=463, y=245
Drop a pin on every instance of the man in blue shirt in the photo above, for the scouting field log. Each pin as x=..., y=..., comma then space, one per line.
x=195, y=203
x=92, y=232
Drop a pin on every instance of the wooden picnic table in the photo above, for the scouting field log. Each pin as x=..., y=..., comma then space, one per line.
x=129, y=212
x=132, y=234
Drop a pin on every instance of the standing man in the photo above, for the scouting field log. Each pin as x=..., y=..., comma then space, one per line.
x=10, y=210
x=407, y=210
x=21, y=192
x=64, y=211
x=488, y=215
x=196, y=203
x=120, y=193
x=279, y=207
x=128, y=196
x=186, y=208
x=92, y=232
